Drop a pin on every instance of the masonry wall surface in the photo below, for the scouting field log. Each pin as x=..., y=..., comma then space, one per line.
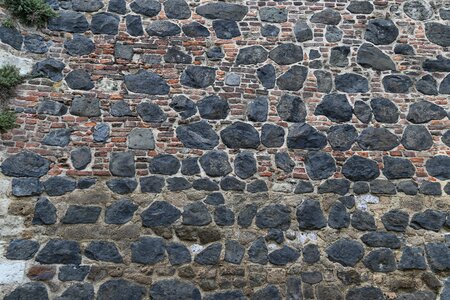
x=228, y=150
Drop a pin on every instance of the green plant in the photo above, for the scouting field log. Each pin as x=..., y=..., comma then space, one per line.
x=9, y=77
x=30, y=12
x=8, y=23
x=7, y=120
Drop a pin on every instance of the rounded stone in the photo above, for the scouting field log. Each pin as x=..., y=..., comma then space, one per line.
x=417, y=137
x=286, y=54
x=304, y=136
x=345, y=252
x=291, y=108
x=358, y=168
x=196, y=214
x=79, y=80
x=160, y=213
x=399, y=84
x=439, y=166
x=25, y=164
x=141, y=138
x=335, y=107
x=177, y=9
x=310, y=215
x=272, y=136
x=381, y=260
x=151, y=113
x=274, y=216
x=319, y=165
x=146, y=82
x=240, y=135
x=327, y=16
x=251, y=55
x=424, y=111
x=245, y=165
x=149, y=8
x=165, y=164
x=342, y=137
x=384, y=110
x=418, y=10
x=118, y=287
x=351, y=83
x=373, y=138
x=381, y=32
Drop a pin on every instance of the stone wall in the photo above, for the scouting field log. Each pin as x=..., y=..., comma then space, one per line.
x=229, y=150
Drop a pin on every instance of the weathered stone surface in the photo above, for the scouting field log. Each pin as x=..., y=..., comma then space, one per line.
x=399, y=84
x=177, y=9
x=438, y=256
x=101, y=132
x=327, y=16
x=69, y=21
x=25, y=164
x=78, y=291
x=324, y=81
x=11, y=36
x=304, y=136
x=134, y=25
x=149, y=8
x=240, y=135
x=77, y=214
x=369, y=292
x=383, y=187
x=358, y=168
x=361, y=187
x=21, y=249
x=164, y=164
x=373, y=138
x=384, y=110
x=430, y=188
x=416, y=137
x=418, y=10
x=85, y=107
x=363, y=220
x=210, y=255
x=427, y=85
x=311, y=253
x=122, y=51
x=351, y=83
x=446, y=138
x=251, y=55
x=148, y=250
x=381, y=239
x=114, y=289
x=34, y=43
x=198, y=77
x=59, y=252
x=122, y=164
x=425, y=111
x=30, y=290
x=176, y=56
x=44, y=212
x=408, y=187
x=57, y=137
x=178, y=254
x=338, y=217
x=370, y=56
x=444, y=88
x=302, y=32
x=291, y=108
x=234, y=252
x=245, y=165
x=230, y=183
x=342, y=137
x=273, y=14
x=226, y=29
x=429, y=220
x=397, y=168
x=205, y=184
x=105, y=23
x=381, y=31
x=198, y=135
x=87, y=6
x=335, y=107
x=141, y=138
x=440, y=64
x=232, y=294
x=117, y=6
x=246, y=215
x=160, y=213
x=215, y=163
x=284, y=162
x=339, y=58
x=184, y=106
x=146, y=82
x=189, y=166
x=257, y=109
x=360, y=7
x=310, y=216
x=438, y=33
x=267, y=76
x=346, y=252
x=380, y=260
x=319, y=165
x=404, y=49
x=272, y=136
x=274, y=216
x=283, y=256
x=195, y=29
x=334, y=186
x=333, y=34
x=258, y=252
x=293, y=79
x=362, y=111
x=223, y=216
x=150, y=112
x=22, y=187
x=120, y=212
x=103, y=251
x=73, y=272
x=286, y=54
x=59, y=185
x=413, y=258
x=80, y=157
x=50, y=68
x=196, y=214
x=222, y=10
x=51, y=108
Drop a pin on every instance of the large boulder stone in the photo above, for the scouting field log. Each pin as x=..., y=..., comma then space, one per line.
x=177, y=9
x=302, y=32
x=59, y=185
x=395, y=220
x=345, y=252
x=69, y=21
x=258, y=109
x=85, y=107
x=381, y=32
x=319, y=165
x=283, y=256
x=413, y=258
x=199, y=135
x=293, y=79
x=213, y=107
x=424, y=111
x=373, y=138
x=105, y=23
x=122, y=164
x=164, y=164
x=399, y=84
x=358, y=168
x=163, y=28
x=339, y=58
x=342, y=137
x=141, y=138
x=438, y=256
x=334, y=186
x=116, y=289
x=429, y=219
x=151, y=112
x=245, y=165
x=267, y=76
x=226, y=29
x=335, y=107
x=35, y=44
x=417, y=137
x=222, y=10
x=439, y=166
x=324, y=81
x=11, y=36
x=327, y=16
x=397, y=168
x=146, y=82
x=79, y=80
x=304, y=136
x=198, y=77
x=117, y=6
x=272, y=136
x=370, y=56
x=291, y=108
x=57, y=137
x=438, y=33
x=440, y=64
x=184, y=106
x=240, y=135
x=274, y=216
x=160, y=213
x=384, y=110
x=215, y=163
x=223, y=216
x=25, y=164
x=59, y=252
x=149, y=8
x=362, y=111
x=22, y=187
x=286, y=54
x=251, y=55
x=310, y=215
x=148, y=250
x=351, y=83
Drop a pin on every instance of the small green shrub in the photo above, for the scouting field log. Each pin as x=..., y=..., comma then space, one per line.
x=30, y=12
x=7, y=120
x=8, y=23
x=9, y=77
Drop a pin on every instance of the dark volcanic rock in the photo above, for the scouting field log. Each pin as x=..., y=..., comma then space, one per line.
x=397, y=168
x=384, y=110
x=226, y=29
x=215, y=163
x=165, y=164
x=274, y=216
x=395, y=220
x=427, y=85
x=120, y=212
x=381, y=260
x=245, y=165
x=438, y=33
x=50, y=68
x=283, y=256
x=339, y=58
x=258, y=252
x=284, y=162
x=51, y=108
x=327, y=16
x=148, y=250
x=429, y=220
x=79, y=80
x=342, y=137
x=351, y=83
x=440, y=64
x=134, y=25
x=417, y=137
x=362, y=111
x=196, y=214
x=149, y=8
x=369, y=292
x=178, y=254
x=286, y=54
x=57, y=137
x=438, y=256
x=177, y=9
x=59, y=252
x=11, y=36
x=335, y=186
x=222, y=10
x=103, y=251
x=78, y=214
x=146, y=82
x=335, y=107
x=44, y=212
x=319, y=165
x=176, y=56
x=444, y=88
x=310, y=216
x=251, y=55
x=195, y=29
x=198, y=135
x=59, y=185
x=293, y=79
x=381, y=239
x=311, y=253
x=273, y=14
x=105, y=23
x=210, y=255
x=430, y=188
x=360, y=7
x=114, y=289
x=272, y=136
x=73, y=272
x=184, y=106
x=118, y=6
x=370, y=56
x=22, y=187
x=338, y=217
x=213, y=107
x=346, y=252
x=373, y=138
x=30, y=290
x=425, y=111
x=174, y=289
x=87, y=6
x=230, y=183
x=258, y=109
x=382, y=186
x=21, y=249
x=408, y=187
x=267, y=76
x=163, y=28
x=34, y=43
x=223, y=216
x=399, y=84
x=81, y=157
x=240, y=135
x=85, y=107
x=324, y=81
x=160, y=213
x=381, y=31
x=25, y=164
x=333, y=34
x=304, y=136
x=291, y=108
x=150, y=112
x=122, y=164
x=198, y=77
x=418, y=9
x=404, y=49
x=413, y=258
x=69, y=21
x=141, y=138
x=363, y=220
x=302, y=32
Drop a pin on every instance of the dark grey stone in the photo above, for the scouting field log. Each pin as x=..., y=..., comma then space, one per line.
x=417, y=137
x=189, y=166
x=444, y=88
x=404, y=49
x=258, y=252
x=335, y=186
x=160, y=213
x=148, y=250
x=363, y=220
x=51, y=108
x=85, y=183
x=383, y=187
x=311, y=254
x=101, y=132
x=370, y=56
x=222, y=10
x=146, y=82
x=198, y=135
x=105, y=23
x=120, y=109
x=122, y=51
x=78, y=291
x=430, y=188
x=348, y=201
x=25, y=164
x=446, y=138
x=59, y=252
x=73, y=272
x=373, y=138
x=163, y=28
x=444, y=14
x=178, y=254
x=418, y=10
x=103, y=251
x=69, y=21
x=408, y=187
x=268, y=292
x=134, y=25
x=21, y=249
x=272, y=136
x=310, y=215
x=358, y=168
x=81, y=157
x=440, y=64
x=59, y=185
x=226, y=29
x=384, y=110
x=424, y=111
x=413, y=258
x=174, y=289
x=195, y=30
x=87, y=6
x=210, y=255
x=57, y=137
x=198, y=77
x=245, y=165
x=399, y=84
x=196, y=214
x=291, y=108
x=122, y=164
x=23, y=187
x=427, y=85
x=225, y=295
x=240, y=135
x=215, y=199
x=333, y=34
x=234, y=252
x=267, y=76
x=11, y=36
x=215, y=163
x=274, y=216
x=223, y=216
x=118, y=6
x=120, y=212
x=176, y=56
x=283, y=256
x=273, y=14
x=177, y=9
x=151, y=113
x=270, y=30
x=215, y=53
x=362, y=111
x=351, y=83
x=35, y=43
x=327, y=16
x=361, y=187
x=324, y=81
x=246, y=215
x=304, y=136
x=286, y=54
x=368, y=292
x=165, y=164
x=28, y=291
x=438, y=256
x=381, y=239
x=251, y=55
x=117, y=289
x=429, y=220
x=293, y=79
x=205, y=184
x=78, y=214
x=397, y=168
x=44, y=212
x=339, y=58
x=342, y=137
x=284, y=162
x=312, y=277
x=230, y=183
x=360, y=7
x=438, y=33
x=302, y=32
x=380, y=260
x=149, y=8
x=346, y=252
x=50, y=68
x=79, y=80
x=335, y=107
x=85, y=107
x=257, y=109
x=381, y=31
x=338, y=217
x=275, y=235
x=319, y=165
